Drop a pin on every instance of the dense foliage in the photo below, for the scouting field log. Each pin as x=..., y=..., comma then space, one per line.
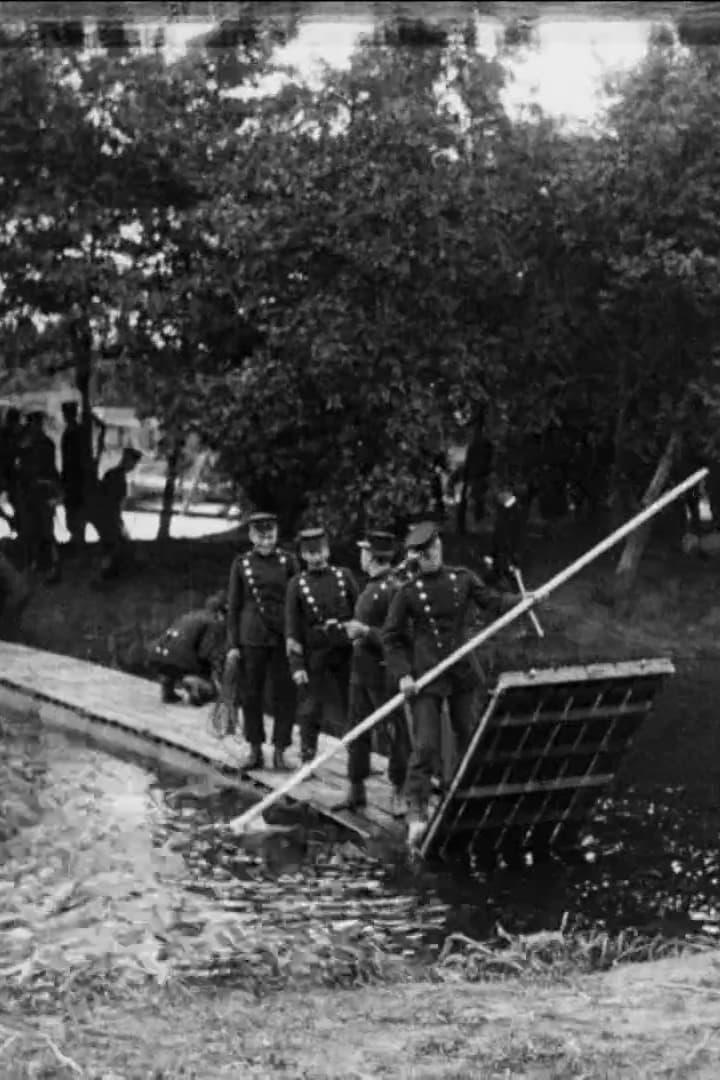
x=333, y=285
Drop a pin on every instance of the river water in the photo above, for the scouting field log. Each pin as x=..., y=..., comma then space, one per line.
x=106, y=863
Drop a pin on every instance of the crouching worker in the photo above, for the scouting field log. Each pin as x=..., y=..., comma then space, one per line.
x=369, y=682
x=190, y=652
x=427, y=621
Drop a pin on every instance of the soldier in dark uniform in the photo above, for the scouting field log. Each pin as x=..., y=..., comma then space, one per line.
x=72, y=466
x=10, y=435
x=255, y=636
x=320, y=601
x=428, y=619
x=369, y=683
x=189, y=652
x=39, y=484
x=507, y=538
x=14, y=595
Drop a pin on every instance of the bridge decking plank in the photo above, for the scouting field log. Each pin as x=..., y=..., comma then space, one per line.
x=133, y=705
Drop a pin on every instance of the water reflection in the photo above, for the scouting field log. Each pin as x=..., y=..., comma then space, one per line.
x=102, y=861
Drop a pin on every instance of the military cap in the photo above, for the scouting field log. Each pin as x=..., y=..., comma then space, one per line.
x=421, y=536
x=312, y=537
x=378, y=543
x=261, y=518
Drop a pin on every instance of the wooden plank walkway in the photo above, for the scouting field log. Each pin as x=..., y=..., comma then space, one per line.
x=123, y=712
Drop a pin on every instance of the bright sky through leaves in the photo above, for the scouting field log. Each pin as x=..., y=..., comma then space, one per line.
x=563, y=74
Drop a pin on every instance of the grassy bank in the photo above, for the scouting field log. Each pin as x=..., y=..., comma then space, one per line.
x=110, y=623
x=656, y=1020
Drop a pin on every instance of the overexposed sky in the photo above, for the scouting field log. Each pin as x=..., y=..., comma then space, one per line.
x=563, y=75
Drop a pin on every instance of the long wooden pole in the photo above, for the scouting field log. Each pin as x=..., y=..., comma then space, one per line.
x=240, y=823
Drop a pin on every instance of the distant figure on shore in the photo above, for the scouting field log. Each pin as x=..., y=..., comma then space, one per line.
x=507, y=539
x=108, y=510
x=14, y=595
x=191, y=651
x=72, y=474
x=38, y=495
x=10, y=434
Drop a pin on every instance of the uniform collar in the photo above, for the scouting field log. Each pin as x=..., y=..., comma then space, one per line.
x=433, y=573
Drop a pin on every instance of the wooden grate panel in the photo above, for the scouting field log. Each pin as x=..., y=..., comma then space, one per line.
x=545, y=746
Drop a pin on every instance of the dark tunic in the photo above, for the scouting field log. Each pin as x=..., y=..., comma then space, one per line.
x=73, y=463
x=315, y=598
x=38, y=470
x=373, y=604
x=190, y=644
x=429, y=618
x=256, y=598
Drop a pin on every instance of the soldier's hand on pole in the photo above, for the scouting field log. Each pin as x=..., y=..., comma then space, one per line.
x=233, y=655
x=355, y=629
x=407, y=686
x=300, y=678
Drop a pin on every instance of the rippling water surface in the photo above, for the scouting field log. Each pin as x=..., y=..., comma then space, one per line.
x=103, y=860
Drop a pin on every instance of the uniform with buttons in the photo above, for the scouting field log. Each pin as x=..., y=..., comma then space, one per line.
x=428, y=619
x=369, y=681
x=255, y=625
x=191, y=646
x=318, y=603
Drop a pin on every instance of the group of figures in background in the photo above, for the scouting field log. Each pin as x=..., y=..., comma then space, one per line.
x=303, y=628
x=34, y=487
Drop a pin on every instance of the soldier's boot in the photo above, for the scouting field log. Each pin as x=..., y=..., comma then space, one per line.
x=279, y=762
x=168, y=693
x=356, y=798
x=255, y=759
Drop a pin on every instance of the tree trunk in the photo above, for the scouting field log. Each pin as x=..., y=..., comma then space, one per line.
x=462, y=508
x=168, y=497
x=200, y=465
x=628, y=565
x=616, y=472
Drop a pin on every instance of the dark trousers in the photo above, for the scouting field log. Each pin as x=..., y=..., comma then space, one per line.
x=38, y=532
x=261, y=663
x=312, y=696
x=75, y=520
x=427, y=740
x=364, y=700
x=172, y=673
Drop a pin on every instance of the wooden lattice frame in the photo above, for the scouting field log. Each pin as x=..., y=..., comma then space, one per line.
x=546, y=745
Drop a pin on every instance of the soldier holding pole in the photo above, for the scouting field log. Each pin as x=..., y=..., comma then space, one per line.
x=428, y=619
